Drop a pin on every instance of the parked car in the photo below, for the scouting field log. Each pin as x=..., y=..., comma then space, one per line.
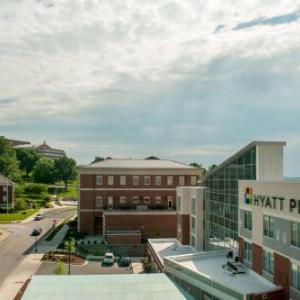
x=39, y=217
x=108, y=258
x=124, y=261
x=36, y=231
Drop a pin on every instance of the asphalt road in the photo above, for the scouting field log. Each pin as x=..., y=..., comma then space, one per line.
x=13, y=247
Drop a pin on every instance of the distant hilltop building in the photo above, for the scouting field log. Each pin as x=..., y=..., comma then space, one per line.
x=44, y=150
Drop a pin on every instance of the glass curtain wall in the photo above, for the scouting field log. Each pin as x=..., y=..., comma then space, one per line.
x=221, y=200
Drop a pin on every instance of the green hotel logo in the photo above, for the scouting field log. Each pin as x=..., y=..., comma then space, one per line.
x=248, y=196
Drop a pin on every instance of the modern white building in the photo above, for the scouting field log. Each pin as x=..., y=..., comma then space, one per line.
x=269, y=230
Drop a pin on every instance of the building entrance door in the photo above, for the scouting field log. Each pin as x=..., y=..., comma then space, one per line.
x=110, y=202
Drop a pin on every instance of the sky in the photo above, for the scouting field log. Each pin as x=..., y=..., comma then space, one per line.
x=188, y=80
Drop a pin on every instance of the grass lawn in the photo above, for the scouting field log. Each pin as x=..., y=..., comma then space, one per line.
x=70, y=192
x=17, y=216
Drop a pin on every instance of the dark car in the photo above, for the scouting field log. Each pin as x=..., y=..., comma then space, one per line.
x=124, y=261
x=39, y=217
x=36, y=231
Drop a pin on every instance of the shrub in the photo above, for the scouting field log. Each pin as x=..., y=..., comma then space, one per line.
x=20, y=204
x=59, y=268
x=49, y=205
x=19, y=190
x=35, y=188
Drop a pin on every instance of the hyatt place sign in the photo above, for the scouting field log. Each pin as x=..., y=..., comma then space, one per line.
x=272, y=202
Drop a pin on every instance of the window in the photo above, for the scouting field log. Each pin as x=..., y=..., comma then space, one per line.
x=181, y=180
x=122, y=200
x=135, y=199
x=99, y=202
x=122, y=180
x=170, y=180
x=147, y=200
x=193, y=222
x=295, y=270
x=193, y=206
x=295, y=234
x=99, y=180
x=193, y=180
x=157, y=180
x=269, y=226
x=146, y=180
x=135, y=180
x=248, y=220
x=248, y=252
x=268, y=262
x=158, y=199
x=110, y=180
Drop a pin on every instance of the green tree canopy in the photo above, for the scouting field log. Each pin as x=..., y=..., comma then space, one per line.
x=9, y=165
x=97, y=159
x=199, y=166
x=27, y=158
x=44, y=171
x=65, y=169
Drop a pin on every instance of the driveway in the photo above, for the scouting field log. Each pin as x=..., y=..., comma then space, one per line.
x=12, y=248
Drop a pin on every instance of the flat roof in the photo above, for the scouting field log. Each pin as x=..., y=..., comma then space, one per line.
x=104, y=287
x=209, y=265
x=169, y=247
x=138, y=164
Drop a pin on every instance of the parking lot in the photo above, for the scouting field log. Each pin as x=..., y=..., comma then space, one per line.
x=92, y=268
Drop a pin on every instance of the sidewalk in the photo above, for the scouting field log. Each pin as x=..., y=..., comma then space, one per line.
x=45, y=246
x=4, y=234
x=25, y=270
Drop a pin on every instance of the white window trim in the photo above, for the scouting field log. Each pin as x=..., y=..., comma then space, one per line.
x=181, y=180
x=158, y=199
x=123, y=200
x=146, y=201
x=121, y=181
x=110, y=180
x=101, y=202
x=147, y=180
x=135, y=199
x=99, y=182
x=171, y=182
x=137, y=178
x=158, y=180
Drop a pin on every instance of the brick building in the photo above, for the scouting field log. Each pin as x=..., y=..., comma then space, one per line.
x=7, y=188
x=128, y=194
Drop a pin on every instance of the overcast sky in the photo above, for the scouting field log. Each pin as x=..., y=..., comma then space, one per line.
x=189, y=80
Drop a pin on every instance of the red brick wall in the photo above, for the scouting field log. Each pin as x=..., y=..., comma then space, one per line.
x=89, y=181
x=123, y=239
x=241, y=249
x=183, y=229
x=271, y=295
x=91, y=222
x=88, y=198
x=151, y=225
x=257, y=258
x=282, y=273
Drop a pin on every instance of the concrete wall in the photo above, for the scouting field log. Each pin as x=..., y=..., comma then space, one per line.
x=269, y=161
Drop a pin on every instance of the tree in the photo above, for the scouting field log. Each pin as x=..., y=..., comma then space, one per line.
x=44, y=171
x=9, y=165
x=210, y=168
x=199, y=166
x=152, y=158
x=70, y=247
x=66, y=169
x=97, y=159
x=59, y=268
x=27, y=159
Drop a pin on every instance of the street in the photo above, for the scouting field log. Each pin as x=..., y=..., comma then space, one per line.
x=12, y=249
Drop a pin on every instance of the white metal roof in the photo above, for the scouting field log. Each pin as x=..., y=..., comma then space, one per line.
x=138, y=164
